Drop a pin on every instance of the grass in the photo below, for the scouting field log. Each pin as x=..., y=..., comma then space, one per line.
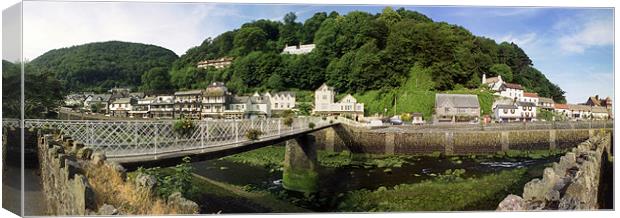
x=439, y=194
x=272, y=157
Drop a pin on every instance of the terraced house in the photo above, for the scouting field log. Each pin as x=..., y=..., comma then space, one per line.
x=456, y=108
x=188, y=104
x=214, y=100
x=324, y=103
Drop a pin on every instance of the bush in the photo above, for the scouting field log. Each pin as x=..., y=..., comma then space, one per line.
x=253, y=134
x=184, y=127
x=288, y=121
x=178, y=179
x=311, y=125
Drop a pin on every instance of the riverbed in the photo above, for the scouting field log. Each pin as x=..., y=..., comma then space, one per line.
x=337, y=183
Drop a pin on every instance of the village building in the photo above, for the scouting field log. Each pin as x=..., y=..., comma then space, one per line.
x=580, y=112
x=162, y=107
x=142, y=107
x=530, y=97
x=562, y=110
x=216, y=63
x=456, y=108
x=75, y=100
x=237, y=107
x=546, y=103
x=417, y=118
x=281, y=101
x=599, y=113
x=596, y=101
x=324, y=103
x=260, y=106
x=136, y=95
x=214, y=100
x=298, y=49
x=121, y=107
x=504, y=89
x=188, y=104
x=99, y=102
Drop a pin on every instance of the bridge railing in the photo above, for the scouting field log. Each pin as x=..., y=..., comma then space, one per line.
x=139, y=137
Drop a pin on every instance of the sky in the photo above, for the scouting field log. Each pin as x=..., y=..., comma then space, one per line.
x=573, y=47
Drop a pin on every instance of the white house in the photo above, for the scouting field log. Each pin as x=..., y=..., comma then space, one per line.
x=142, y=107
x=121, y=107
x=580, y=112
x=298, y=49
x=324, y=103
x=281, y=101
x=216, y=63
x=75, y=100
x=162, y=107
x=546, y=103
x=530, y=97
x=101, y=100
x=562, y=109
x=511, y=112
x=260, y=106
x=237, y=107
x=214, y=100
x=502, y=88
x=600, y=113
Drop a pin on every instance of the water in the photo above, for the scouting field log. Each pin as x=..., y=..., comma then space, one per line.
x=335, y=182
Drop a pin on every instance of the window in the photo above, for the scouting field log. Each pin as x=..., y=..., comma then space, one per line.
x=512, y=111
x=447, y=109
x=276, y=105
x=324, y=97
x=505, y=111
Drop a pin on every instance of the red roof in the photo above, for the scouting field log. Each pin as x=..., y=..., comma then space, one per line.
x=530, y=94
x=560, y=106
x=513, y=86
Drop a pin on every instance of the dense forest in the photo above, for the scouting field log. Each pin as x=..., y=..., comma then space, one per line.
x=375, y=56
x=358, y=52
x=103, y=65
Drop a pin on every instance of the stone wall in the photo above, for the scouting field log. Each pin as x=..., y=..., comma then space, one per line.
x=571, y=184
x=63, y=165
x=362, y=140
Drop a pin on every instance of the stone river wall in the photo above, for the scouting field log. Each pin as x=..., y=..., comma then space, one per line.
x=573, y=183
x=363, y=140
x=65, y=185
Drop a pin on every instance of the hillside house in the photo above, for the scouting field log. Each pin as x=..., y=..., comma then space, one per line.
x=580, y=112
x=324, y=103
x=599, y=113
x=188, y=104
x=596, y=101
x=502, y=88
x=563, y=110
x=260, y=106
x=216, y=63
x=456, y=108
x=530, y=97
x=298, y=49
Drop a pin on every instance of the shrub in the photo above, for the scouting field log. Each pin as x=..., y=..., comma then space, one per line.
x=184, y=127
x=288, y=121
x=253, y=134
x=311, y=125
x=178, y=179
x=406, y=117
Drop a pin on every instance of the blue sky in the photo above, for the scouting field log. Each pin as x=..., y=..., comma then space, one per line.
x=573, y=47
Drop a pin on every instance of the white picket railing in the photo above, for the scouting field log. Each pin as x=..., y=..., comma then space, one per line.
x=137, y=137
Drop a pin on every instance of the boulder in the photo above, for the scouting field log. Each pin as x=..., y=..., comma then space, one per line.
x=107, y=209
x=183, y=205
x=146, y=181
x=98, y=157
x=511, y=203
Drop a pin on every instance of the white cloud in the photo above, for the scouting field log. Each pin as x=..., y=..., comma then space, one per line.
x=523, y=40
x=591, y=33
x=51, y=25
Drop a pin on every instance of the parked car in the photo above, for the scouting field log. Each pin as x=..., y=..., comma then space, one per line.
x=376, y=123
x=395, y=120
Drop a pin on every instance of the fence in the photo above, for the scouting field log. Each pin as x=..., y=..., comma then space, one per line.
x=136, y=137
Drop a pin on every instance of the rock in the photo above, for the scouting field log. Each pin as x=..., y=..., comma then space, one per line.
x=511, y=203
x=553, y=195
x=146, y=181
x=98, y=157
x=107, y=209
x=534, y=190
x=183, y=205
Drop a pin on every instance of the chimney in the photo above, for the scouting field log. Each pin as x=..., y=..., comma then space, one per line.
x=484, y=78
x=500, y=78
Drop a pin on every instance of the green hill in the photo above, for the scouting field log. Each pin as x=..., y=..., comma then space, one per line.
x=102, y=65
x=370, y=55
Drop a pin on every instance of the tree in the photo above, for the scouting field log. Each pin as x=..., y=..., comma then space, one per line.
x=304, y=109
x=502, y=70
x=275, y=82
x=249, y=39
x=311, y=25
x=389, y=16
x=290, y=31
x=156, y=80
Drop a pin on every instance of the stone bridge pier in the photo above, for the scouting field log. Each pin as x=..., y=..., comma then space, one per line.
x=301, y=165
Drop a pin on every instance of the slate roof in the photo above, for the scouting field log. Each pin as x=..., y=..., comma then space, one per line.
x=101, y=97
x=545, y=100
x=457, y=100
x=189, y=92
x=492, y=80
x=513, y=86
x=526, y=104
x=506, y=106
x=239, y=99
x=122, y=101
